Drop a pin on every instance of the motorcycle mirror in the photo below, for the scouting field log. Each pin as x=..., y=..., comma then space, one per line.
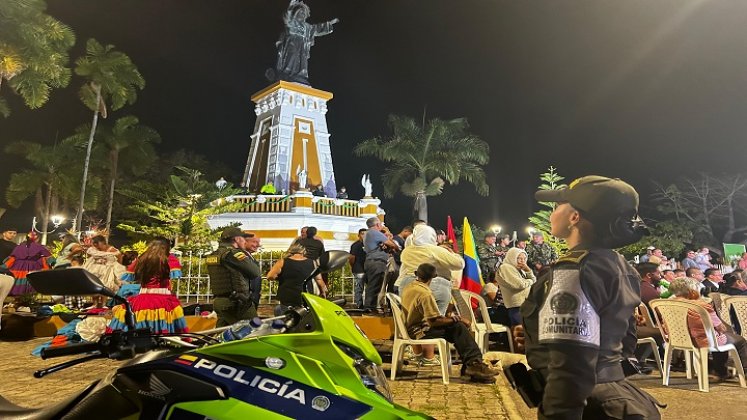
x=332, y=260
x=70, y=281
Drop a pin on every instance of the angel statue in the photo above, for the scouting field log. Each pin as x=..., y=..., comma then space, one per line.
x=294, y=45
x=366, y=183
x=301, y=174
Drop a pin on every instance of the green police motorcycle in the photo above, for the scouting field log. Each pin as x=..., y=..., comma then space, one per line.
x=312, y=362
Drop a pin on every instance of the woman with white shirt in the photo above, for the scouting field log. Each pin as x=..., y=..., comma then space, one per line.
x=514, y=279
x=423, y=249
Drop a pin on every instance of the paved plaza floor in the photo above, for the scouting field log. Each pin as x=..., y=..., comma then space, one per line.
x=420, y=389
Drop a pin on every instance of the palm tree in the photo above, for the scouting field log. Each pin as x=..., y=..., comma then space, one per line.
x=33, y=52
x=126, y=144
x=423, y=158
x=51, y=178
x=111, y=78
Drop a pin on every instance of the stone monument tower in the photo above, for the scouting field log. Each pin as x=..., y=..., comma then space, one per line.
x=290, y=143
x=290, y=149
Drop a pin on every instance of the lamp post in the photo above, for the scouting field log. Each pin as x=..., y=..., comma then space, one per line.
x=56, y=220
x=496, y=229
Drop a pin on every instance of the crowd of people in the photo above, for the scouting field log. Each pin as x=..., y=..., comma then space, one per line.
x=153, y=302
x=421, y=266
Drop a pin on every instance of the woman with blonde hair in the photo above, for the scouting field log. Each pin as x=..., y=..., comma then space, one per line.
x=155, y=307
x=291, y=271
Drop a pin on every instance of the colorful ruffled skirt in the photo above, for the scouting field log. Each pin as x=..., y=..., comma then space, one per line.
x=20, y=268
x=156, y=309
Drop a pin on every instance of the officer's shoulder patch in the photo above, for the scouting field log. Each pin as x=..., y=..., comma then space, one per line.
x=211, y=259
x=239, y=256
x=573, y=257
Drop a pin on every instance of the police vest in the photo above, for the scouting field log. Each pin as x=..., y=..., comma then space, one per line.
x=220, y=276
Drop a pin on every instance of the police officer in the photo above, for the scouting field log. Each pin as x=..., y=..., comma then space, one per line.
x=579, y=314
x=231, y=270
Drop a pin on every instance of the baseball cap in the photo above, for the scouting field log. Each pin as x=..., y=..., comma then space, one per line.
x=598, y=198
x=232, y=232
x=8, y=229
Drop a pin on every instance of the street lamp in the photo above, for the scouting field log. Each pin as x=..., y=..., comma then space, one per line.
x=56, y=220
x=530, y=231
x=496, y=229
x=221, y=183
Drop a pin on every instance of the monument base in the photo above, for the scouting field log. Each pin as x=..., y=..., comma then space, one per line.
x=278, y=219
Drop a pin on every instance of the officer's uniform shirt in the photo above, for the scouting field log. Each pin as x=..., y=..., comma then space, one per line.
x=576, y=318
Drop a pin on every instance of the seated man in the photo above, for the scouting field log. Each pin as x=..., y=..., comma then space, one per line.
x=687, y=289
x=423, y=320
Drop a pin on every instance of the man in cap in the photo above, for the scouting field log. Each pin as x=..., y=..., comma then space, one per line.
x=231, y=270
x=644, y=258
x=578, y=318
x=539, y=253
x=7, y=244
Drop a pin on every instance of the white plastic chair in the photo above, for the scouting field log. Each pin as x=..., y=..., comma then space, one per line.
x=722, y=309
x=672, y=319
x=402, y=338
x=482, y=330
x=739, y=304
x=642, y=310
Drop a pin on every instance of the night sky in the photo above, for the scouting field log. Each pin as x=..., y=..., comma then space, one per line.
x=641, y=90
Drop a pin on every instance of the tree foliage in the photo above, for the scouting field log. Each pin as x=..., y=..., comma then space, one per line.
x=670, y=236
x=422, y=159
x=33, y=52
x=110, y=72
x=51, y=178
x=178, y=210
x=111, y=78
x=126, y=146
x=715, y=206
x=549, y=180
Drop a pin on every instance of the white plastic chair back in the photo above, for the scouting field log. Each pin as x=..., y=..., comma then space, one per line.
x=643, y=311
x=673, y=314
x=482, y=306
x=739, y=304
x=717, y=300
x=400, y=330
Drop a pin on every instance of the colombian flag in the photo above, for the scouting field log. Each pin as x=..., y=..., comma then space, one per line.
x=471, y=278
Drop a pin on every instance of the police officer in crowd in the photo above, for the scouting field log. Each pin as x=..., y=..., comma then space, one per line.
x=579, y=314
x=231, y=271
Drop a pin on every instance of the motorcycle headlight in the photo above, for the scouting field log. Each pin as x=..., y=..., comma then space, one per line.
x=373, y=378
x=371, y=374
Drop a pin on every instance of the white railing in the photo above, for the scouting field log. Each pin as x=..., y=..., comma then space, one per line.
x=194, y=285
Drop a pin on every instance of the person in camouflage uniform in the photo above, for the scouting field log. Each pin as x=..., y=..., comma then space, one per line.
x=539, y=253
x=487, y=252
x=503, y=242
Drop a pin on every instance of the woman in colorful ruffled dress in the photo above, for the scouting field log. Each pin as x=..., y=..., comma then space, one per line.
x=155, y=307
x=27, y=257
x=103, y=261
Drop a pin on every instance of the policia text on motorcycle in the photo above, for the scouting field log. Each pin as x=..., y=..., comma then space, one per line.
x=231, y=271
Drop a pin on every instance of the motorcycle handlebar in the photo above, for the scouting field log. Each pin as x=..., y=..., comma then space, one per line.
x=69, y=350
